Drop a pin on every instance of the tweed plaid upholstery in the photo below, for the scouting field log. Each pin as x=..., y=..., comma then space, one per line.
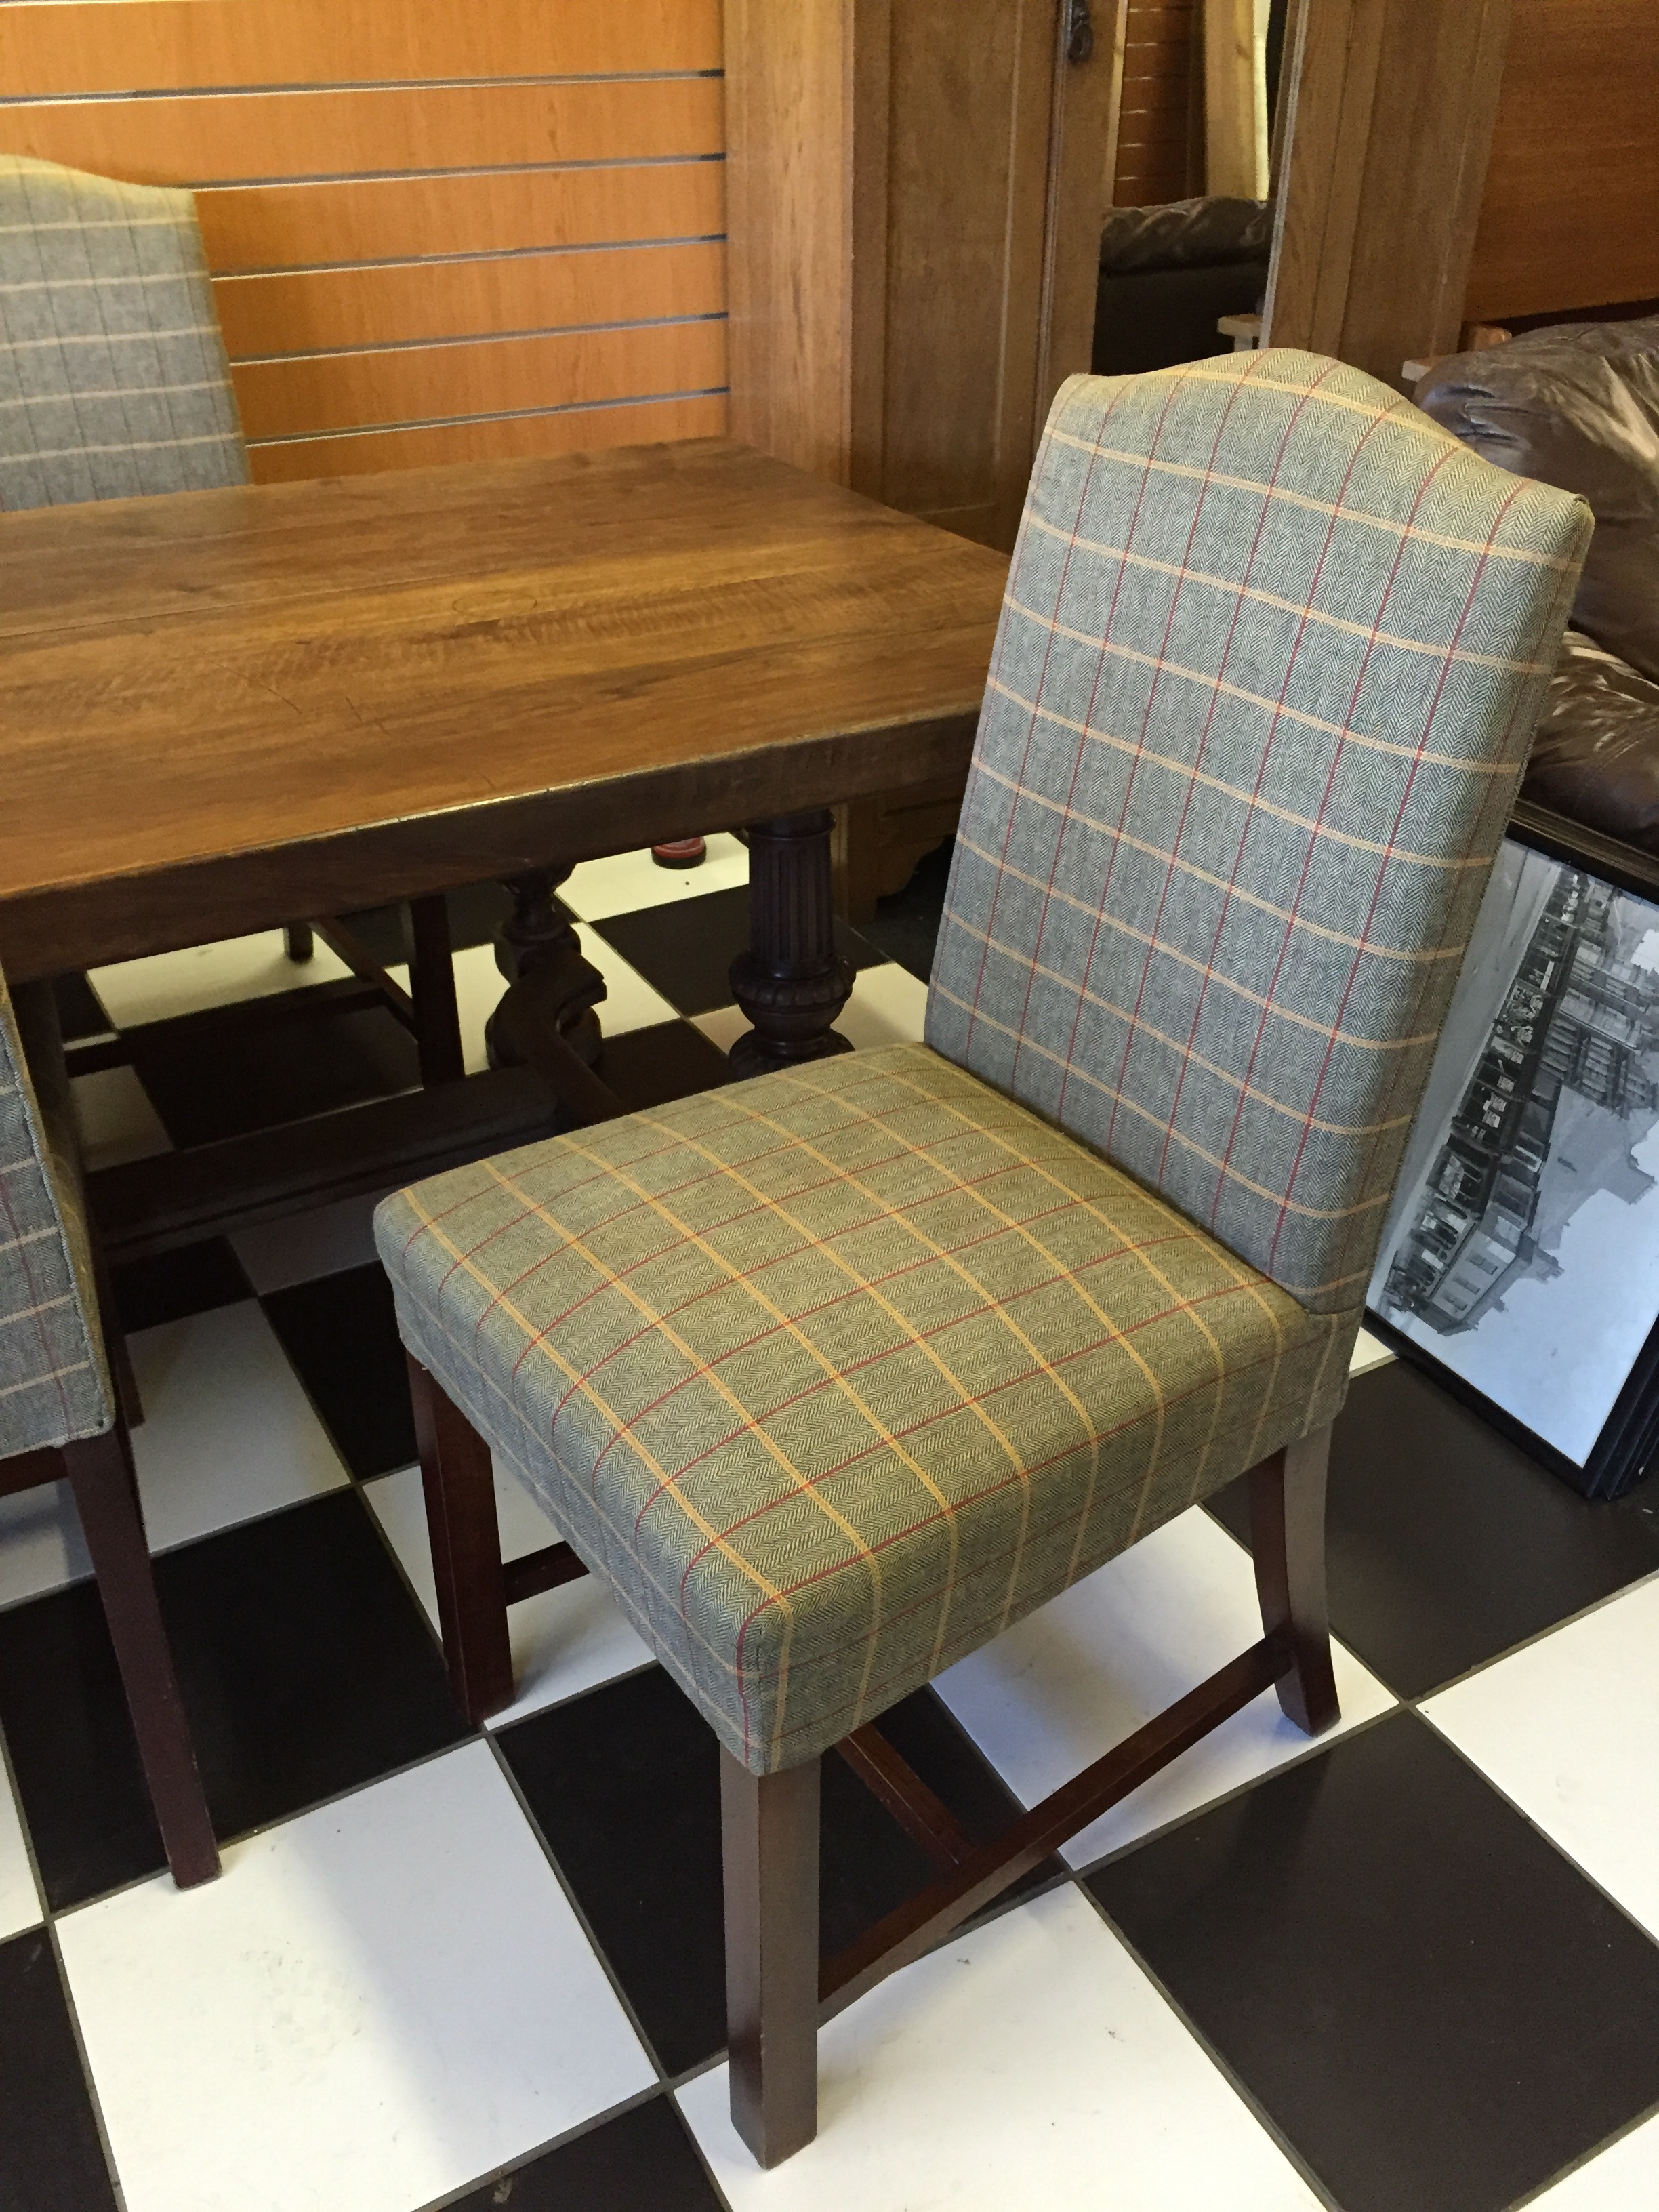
x=1271, y=652
x=833, y=1374
x=113, y=381
x=54, y=1385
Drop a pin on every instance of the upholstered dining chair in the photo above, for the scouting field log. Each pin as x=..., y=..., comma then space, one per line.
x=831, y=1375
x=114, y=384
x=59, y=1416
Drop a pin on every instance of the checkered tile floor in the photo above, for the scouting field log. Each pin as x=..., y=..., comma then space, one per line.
x=1414, y=1968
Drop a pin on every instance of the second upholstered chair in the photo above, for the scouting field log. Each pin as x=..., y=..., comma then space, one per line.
x=831, y=1375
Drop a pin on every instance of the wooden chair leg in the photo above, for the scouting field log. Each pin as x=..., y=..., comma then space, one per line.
x=299, y=940
x=100, y=1471
x=1287, y=1535
x=769, y=1841
x=460, y=1483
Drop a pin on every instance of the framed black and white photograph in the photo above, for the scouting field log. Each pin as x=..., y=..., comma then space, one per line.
x=1522, y=1252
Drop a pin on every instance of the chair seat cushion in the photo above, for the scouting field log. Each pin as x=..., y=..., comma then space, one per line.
x=833, y=1375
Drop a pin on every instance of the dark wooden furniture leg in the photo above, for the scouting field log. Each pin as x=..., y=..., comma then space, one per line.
x=460, y=1483
x=299, y=940
x=1287, y=1535
x=770, y=1842
x=538, y=940
x=790, y=982
x=432, y=987
x=100, y=1471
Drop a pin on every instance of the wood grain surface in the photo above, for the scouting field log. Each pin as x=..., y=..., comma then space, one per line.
x=220, y=709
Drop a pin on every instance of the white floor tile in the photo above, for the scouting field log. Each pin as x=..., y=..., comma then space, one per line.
x=169, y=983
x=228, y=1430
x=1569, y=1728
x=479, y=985
x=1625, y=2178
x=115, y=1119
x=1060, y=1689
x=628, y=881
x=299, y=1249
x=1369, y=1351
x=629, y=1002
x=41, y=1546
x=723, y=1026
x=1029, y=2064
x=888, y=1005
x=19, y=1906
x=565, y=1641
x=377, y=2000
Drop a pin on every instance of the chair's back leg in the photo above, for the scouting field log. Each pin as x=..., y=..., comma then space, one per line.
x=769, y=1829
x=1287, y=1535
x=100, y=1476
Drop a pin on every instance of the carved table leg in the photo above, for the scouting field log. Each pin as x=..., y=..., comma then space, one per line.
x=790, y=982
x=548, y=979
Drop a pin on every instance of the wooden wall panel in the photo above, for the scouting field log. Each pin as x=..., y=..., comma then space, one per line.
x=215, y=138
x=1570, y=212
x=435, y=229
x=1155, y=118
x=492, y=438
x=265, y=227
x=418, y=384
x=173, y=44
x=312, y=311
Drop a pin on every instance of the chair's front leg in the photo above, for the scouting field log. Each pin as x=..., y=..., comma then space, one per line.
x=769, y=1832
x=1287, y=1536
x=459, y=1483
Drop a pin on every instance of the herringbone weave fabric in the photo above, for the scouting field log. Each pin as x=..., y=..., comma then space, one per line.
x=54, y=1385
x=113, y=381
x=1270, y=660
x=833, y=1374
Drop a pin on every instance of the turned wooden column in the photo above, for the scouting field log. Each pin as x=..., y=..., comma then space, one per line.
x=550, y=981
x=790, y=982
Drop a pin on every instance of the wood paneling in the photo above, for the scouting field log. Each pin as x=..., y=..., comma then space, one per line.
x=260, y=226
x=1155, y=149
x=1371, y=251
x=232, y=136
x=1571, y=215
x=494, y=438
x=175, y=44
x=417, y=384
x=317, y=310
x=400, y=205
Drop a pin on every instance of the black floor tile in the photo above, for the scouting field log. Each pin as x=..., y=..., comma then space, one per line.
x=1448, y=1544
x=476, y=913
x=1434, y=2007
x=905, y=927
x=192, y=1280
x=340, y=1332
x=625, y=1783
x=642, y=2162
x=305, y=1668
x=80, y=1011
x=51, y=2160
x=686, y=947
x=256, y=1074
x=670, y=1059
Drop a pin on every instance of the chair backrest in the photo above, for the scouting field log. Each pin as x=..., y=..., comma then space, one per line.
x=1272, y=649
x=54, y=1380
x=113, y=381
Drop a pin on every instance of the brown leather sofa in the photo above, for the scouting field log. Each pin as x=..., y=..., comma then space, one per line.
x=1577, y=405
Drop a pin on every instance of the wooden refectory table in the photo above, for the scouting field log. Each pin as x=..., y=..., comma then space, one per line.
x=225, y=711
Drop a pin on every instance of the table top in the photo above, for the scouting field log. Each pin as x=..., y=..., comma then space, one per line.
x=222, y=710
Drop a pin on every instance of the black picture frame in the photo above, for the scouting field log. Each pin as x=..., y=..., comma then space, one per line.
x=1627, y=1443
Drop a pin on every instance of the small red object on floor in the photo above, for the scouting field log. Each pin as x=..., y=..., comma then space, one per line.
x=680, y=853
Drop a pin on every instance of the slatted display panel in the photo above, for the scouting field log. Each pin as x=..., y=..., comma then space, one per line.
x=1154, y=135
x=439, y=229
